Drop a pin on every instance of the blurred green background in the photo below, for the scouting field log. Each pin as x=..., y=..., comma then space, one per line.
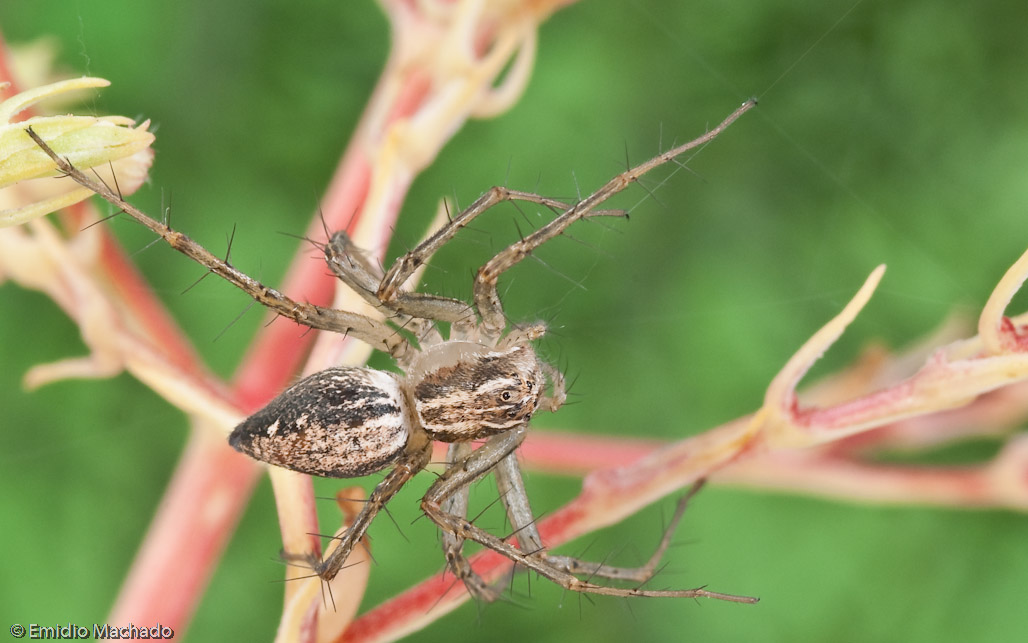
x=887, y=133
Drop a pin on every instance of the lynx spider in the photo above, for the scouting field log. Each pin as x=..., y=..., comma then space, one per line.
x=480, y=383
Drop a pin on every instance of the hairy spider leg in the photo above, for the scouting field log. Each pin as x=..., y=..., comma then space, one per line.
x=509, y=482
x=375, y=333
x=487, y=301
x=448, y=497
x=354, y=269
x=511, y=487
x=391, y=287
x=415, y=457
x=453, y=542
x=487, y=458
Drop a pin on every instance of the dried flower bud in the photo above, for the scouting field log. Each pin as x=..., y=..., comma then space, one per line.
x=26, y=189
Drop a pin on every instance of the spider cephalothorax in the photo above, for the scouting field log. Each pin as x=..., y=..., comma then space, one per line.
x=471, y=391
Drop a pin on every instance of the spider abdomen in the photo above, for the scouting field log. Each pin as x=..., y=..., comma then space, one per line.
x=337, y=423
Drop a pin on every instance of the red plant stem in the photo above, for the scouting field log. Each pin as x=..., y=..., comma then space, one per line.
x=187, y=535
x=992, y=414
x=278, y=351
x=428, y=600
x=579, y=454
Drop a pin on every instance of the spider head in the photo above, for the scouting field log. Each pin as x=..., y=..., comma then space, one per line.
x=474, y=391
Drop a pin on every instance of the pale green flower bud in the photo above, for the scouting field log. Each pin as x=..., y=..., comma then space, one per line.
x=27, y=190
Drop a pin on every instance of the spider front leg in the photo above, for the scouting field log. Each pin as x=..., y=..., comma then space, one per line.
x=373, y=332
x=445, y=502
x=390, y=291
x=640, y=574
x=519, y=511
x=512, y=493
x=488, y=302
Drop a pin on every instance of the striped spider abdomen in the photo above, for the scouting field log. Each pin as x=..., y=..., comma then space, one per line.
x=337, y=423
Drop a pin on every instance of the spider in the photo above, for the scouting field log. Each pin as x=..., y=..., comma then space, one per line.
x=481, y=382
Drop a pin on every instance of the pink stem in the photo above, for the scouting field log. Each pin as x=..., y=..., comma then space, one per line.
x=857, y=481
x=176, y=559
x=579, y=454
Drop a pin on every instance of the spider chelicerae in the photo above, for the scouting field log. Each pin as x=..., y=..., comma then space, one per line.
x=481, y=382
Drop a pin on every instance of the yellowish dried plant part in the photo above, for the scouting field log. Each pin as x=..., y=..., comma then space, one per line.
x=28, y=189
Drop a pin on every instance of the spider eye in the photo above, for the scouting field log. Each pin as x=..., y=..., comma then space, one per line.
x=505, y=396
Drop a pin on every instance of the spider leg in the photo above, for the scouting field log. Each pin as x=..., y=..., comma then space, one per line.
x=512, y=492
x=453, y=543
x=488, y=457
x=375, y=333
x=362, y=276
x=414, y=459
x=405, y=266
x=639, y=574
x=511, y=486
x=390, y=291
x=350, y=265
x=446, y=499
x=486, y=299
